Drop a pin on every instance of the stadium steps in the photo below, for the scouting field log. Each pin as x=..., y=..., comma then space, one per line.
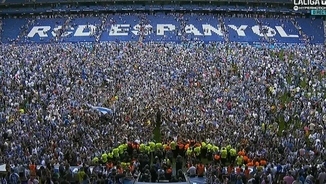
x=261, y=27
x=22, y=36
x=65, y=27
x=10, y=33
x=224, y=29
x=101, y=28
x=143, y=21
x=183, y=25
x=301, y=33
x=314, y=34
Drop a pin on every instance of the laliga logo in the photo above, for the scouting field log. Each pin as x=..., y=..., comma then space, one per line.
x=303, y=4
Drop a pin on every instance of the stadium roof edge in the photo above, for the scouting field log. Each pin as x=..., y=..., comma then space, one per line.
x=43, y=2
x=85, y=9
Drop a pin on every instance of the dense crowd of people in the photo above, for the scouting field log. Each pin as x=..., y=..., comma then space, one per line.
x=268, y=103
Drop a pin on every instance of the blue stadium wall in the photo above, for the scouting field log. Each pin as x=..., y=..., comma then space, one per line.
x=164, y=28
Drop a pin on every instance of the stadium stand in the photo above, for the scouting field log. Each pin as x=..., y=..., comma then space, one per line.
x=206, y=28
x=161, y=92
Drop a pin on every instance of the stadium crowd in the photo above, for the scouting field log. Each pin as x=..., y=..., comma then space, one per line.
x=268, y=103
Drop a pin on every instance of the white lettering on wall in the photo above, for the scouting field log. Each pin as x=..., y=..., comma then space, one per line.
x=147, y=29
x=85, y=30
x=119, y=30
x=191, y=29
x=240, y=30
x=65, y=33
x=208, y=29
x=162, y=28
x=41, y=31
x=270, y=31
x=283, y=34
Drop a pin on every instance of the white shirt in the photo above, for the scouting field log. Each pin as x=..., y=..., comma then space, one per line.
x=270, y=179
x=192, y=171
x=43, y=163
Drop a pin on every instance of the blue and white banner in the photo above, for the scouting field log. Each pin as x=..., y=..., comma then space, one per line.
x=102, y=110
x=165, y=28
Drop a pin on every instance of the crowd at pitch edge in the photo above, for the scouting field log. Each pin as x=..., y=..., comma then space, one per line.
x=231, y=96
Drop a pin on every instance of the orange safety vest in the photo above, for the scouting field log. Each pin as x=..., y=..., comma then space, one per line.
x=32, y=168
x=168, y=170
x=245, y=159
x=250, y=164
x=167, y=147
x=187, y=146
x=263, y=162
x=241, y=153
